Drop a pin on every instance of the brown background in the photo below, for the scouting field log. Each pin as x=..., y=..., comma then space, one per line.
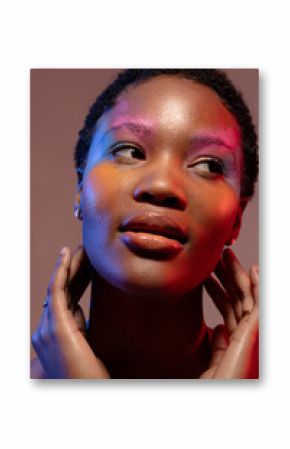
x=60, y=99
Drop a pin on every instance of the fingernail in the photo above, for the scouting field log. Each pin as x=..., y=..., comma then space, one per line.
x=256, y=272
x=228, y=254
x=63, y=251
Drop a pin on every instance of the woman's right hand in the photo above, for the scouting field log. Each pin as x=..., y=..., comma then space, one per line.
x=60, y=339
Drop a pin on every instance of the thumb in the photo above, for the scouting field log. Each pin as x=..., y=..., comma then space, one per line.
x=219, y=344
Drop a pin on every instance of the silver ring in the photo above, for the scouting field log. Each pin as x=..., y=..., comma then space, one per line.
x=45, y=303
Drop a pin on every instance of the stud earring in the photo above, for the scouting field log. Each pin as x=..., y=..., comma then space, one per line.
x=78, y=213
x=230, y=242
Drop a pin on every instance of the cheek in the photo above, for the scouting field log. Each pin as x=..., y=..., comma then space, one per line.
x=99, y=192
x=219, y=214
x=213, y=216
x=100, y=212
x=100, y=208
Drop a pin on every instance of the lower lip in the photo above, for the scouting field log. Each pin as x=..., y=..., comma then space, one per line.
x=152, y=243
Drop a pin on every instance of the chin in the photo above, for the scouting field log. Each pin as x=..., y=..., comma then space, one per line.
x=146, y=277
x=151, y=282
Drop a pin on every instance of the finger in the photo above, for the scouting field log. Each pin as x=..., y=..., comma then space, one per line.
x=80, y=320
x=79, y=260
x=56, y=278
x=208, y=374
x=241, y=354
x=254, y=275
x=217, y=294
x=219, y=344
x=39, y=338
x=240, y=279
x=44, y=316
x=222, y=302
x=225, y=278
x=57, y=290
x=79, y=276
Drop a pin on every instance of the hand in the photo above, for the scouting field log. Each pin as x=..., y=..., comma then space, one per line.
x=235, y=346
x=60, y=339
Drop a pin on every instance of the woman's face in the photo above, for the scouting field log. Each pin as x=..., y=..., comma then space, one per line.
x=160, y=194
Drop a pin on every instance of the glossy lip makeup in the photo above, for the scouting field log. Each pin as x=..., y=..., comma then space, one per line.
x=147, y=159
x=153, y=234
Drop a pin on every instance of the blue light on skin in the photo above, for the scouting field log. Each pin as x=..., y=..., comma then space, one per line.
x=176, y=112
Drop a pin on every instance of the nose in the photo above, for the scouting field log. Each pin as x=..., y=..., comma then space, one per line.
x=161, y=186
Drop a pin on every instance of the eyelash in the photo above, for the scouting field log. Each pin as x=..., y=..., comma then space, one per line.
x=126, y=146
x=217, y=166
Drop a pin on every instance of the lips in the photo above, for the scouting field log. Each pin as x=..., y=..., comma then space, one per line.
x=156, y=224
x=153, y=235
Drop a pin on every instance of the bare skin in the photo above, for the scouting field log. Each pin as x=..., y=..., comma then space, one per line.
x=168, y=147
x=60, y=340
x=156, y=338
x=63, y=349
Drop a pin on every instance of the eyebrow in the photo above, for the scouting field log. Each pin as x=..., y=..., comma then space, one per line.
x=198, y=142
x=203, y=141
x=135, y=127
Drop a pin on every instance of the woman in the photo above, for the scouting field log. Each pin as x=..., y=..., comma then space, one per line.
x=166, y=163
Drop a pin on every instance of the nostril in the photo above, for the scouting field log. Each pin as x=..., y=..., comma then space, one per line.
x=145, y=196
x=161, y=200
x=172, y=201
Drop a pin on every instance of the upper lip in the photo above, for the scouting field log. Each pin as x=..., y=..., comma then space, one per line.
x=155, y=223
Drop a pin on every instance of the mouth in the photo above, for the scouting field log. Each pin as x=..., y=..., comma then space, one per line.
x=153, y=234
x=155, y=230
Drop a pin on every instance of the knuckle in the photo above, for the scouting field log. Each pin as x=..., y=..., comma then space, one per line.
x=39, y=339
x=43, y=337
x=246, y=318
x=243, y=292
x=245, y=315
x=35, y=340
x=56, y=330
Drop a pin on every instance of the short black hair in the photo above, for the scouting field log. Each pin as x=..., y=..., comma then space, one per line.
x=213, y=78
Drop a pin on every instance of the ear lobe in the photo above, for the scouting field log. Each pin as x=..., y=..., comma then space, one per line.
x=236, y=228
x=77, y=204
x=243, y=202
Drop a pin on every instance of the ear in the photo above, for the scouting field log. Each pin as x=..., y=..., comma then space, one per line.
x=243, y=202
x=78, y=203
x=236, y=226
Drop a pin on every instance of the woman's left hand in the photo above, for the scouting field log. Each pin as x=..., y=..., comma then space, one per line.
x=235, y=346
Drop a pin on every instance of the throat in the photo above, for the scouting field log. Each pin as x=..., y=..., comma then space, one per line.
x=148, y=341
x=153, y=357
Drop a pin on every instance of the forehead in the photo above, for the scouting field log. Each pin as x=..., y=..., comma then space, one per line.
x=174, y=105
x=171, y=113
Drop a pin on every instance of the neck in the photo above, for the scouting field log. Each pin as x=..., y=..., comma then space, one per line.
x=139, y=337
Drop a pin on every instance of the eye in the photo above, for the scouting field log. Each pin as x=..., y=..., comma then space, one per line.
x=127, y=153
x=209, y=166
